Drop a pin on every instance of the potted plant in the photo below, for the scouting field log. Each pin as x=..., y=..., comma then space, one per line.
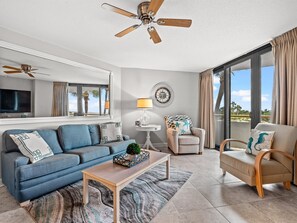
x=133, y=150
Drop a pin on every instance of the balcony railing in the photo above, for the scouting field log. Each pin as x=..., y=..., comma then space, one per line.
x=240, y=127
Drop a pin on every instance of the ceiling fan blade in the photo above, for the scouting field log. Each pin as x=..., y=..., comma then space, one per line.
x=155, y=6
x=175, y=22
x=126, y=31
x=33, y=69
x=118, y=10
x=31, y=75
x=154, y=35
x=9, y=67
x=13, y=72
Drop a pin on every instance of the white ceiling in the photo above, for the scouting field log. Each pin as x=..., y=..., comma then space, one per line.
x=221, y=29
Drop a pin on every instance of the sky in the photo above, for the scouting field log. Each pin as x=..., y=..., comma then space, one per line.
x=241, y=88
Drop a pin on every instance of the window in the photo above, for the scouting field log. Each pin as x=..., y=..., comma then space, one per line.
x=88, y=99
x=243, y=94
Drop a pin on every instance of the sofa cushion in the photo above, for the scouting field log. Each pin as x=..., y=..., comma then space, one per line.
x=74, y=136
x=32, y=145
x=47, y=165
x=116, y=147
x=51, y=138
x=188, y=140
x=95, y=133
x=89, y=153
x=8, y=144
x=244, y=163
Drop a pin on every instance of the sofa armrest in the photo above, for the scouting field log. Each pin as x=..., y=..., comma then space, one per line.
x=9, y=163
x=126, y=137
x=172, y=140
x=201, y=134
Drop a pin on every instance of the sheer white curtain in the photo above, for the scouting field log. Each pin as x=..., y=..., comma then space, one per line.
x=206, y=107
x=284, y=107
x=60, y=99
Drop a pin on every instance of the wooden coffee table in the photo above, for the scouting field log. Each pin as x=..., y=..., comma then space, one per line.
x=116, y=177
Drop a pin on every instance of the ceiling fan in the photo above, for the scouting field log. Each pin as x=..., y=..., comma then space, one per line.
x=146, y=12
x=25, y=68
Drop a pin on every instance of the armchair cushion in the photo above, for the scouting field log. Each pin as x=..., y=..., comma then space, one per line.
x=183, y=127
x=245, y=164
x=260, y=141
x=170, y=119
x=188, y=140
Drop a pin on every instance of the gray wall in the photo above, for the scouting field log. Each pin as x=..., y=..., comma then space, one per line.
x=137, y=83
x=43, y=98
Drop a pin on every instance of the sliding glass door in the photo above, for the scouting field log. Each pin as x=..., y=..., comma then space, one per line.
x=243, y=95
x=240, y=102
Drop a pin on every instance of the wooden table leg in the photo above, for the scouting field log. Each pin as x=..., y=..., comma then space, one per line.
x=116, y=205
x=85, y=189
x=168, y=168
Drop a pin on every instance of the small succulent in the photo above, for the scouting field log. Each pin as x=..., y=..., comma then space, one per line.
x=133, y=149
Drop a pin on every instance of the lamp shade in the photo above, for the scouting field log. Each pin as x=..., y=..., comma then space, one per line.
x=106, y=105
x=144, y=103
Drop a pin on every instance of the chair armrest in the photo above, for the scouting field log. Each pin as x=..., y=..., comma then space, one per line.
x=126, y=137
x=258, y=168
x=172, y=132
x=222, y=145
x=201, y=134
x=172, y=139
x=261, y=154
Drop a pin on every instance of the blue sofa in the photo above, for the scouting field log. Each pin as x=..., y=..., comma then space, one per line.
x=75, y=147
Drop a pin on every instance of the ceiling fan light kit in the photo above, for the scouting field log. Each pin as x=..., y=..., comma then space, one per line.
x=146, y=12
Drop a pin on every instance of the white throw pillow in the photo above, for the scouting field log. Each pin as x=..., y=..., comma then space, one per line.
x=32, y=145
x=260, y=141
x=111, y=132
x=183, y=127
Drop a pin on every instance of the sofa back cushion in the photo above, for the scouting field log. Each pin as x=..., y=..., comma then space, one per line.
x=8, y=144
x=50, y=136
x=74, y=136
x=94, y=133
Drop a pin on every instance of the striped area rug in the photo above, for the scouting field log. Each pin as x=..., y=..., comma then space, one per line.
x=140, y=201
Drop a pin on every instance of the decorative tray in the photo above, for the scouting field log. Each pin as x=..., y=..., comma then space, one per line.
x=128, y=160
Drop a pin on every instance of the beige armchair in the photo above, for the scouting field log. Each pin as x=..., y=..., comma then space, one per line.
x=256, y=171
x=182, y=144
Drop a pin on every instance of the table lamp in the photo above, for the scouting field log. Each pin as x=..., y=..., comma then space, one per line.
x=144, y=103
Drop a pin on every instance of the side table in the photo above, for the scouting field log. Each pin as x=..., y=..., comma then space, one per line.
x=149, y=128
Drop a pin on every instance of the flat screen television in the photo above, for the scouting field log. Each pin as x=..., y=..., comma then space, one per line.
x=15, y=101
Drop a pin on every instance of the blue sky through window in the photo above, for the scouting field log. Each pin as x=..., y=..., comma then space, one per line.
x=241, y=88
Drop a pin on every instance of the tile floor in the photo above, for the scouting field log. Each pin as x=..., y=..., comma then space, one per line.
x=206, y=197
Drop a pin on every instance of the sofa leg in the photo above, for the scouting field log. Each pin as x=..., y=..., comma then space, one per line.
x=199, y=153
x=224, y=172
x=260, y=190
x=287, y=185
x=25, y=203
